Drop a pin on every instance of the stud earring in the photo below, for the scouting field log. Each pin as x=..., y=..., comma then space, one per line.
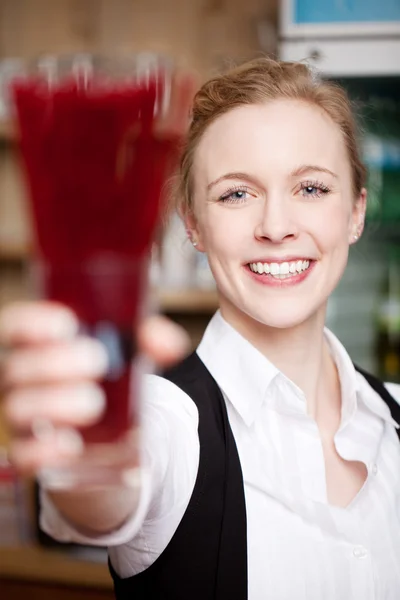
x=189, y=234
x=357, y=233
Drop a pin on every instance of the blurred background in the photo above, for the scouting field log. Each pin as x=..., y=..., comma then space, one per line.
x=356, y=42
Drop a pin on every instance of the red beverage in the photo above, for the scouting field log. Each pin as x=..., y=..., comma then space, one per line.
x=95, y=174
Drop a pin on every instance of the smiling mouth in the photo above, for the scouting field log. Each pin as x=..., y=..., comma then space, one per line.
x=284, y=270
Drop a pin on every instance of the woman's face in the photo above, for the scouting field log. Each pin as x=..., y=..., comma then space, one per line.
x=274, y=211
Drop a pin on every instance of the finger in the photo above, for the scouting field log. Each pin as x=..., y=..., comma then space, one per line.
x=163, y=341
x=84, y=358
x=30, y=455
x=36, y=322
x=76, y=405
x=175, y=122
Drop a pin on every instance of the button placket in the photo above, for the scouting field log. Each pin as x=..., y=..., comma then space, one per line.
x=360, y=552
x=373, y=469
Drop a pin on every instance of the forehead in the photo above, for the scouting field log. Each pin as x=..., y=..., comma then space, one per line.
x=271, y=138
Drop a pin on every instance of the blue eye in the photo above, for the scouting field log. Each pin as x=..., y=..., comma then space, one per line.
x=235, y=196
x=310, y=190
x=313, y=189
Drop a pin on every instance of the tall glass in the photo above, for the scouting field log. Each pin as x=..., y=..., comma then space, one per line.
x=95, y=173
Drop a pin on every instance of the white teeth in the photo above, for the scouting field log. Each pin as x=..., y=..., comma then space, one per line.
x=284, y=268
x=274, y=269
x=280, y=270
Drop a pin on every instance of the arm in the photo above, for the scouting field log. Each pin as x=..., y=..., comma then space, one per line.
x=170, y=454
x=96, y=512
x=45, y=362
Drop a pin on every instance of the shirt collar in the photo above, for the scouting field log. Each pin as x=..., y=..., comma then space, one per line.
x=374, y=402
x=349, y=384
x=242, y=372
x=354, y=387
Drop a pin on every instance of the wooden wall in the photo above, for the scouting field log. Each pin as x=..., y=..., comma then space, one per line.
x=203, y=33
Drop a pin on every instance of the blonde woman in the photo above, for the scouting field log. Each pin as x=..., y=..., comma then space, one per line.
x=274, y=464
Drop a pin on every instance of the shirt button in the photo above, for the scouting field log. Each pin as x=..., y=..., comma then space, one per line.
x=374, y=468
x=359, y=552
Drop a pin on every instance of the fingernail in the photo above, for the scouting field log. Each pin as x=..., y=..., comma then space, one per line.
x=89, y=400
x=131, y=477
x=63, y=325
x=92, y=356
x=70, y=442
x=42, y=429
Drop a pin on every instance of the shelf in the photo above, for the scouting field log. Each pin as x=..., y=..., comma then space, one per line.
x=35, y=563
x=175, y=300
x=188, y=301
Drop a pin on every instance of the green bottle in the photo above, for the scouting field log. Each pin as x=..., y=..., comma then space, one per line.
x=388, y=322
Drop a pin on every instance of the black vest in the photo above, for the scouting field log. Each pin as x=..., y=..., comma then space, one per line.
x=207, y=556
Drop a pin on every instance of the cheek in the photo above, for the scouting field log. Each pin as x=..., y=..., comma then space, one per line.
x=331, y=228
x=224, y=231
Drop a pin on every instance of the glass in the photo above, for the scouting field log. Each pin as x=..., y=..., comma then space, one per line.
x=14, y=514
x=95, y=173
x=9, y=69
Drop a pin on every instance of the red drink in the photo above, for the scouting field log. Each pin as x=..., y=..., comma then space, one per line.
x=107, y=297
x=95, y=174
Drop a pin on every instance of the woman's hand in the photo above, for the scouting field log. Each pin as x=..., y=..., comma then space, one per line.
x=50, y=375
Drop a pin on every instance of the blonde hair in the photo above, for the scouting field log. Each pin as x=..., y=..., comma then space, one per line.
x=257, y=82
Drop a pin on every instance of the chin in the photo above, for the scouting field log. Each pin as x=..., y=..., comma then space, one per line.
x=287, y=312
x=281, y=318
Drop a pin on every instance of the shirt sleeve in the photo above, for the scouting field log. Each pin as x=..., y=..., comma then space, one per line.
x=170, y=457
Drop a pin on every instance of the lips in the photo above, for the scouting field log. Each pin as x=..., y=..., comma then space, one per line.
x=279, y=268
x=281, y=274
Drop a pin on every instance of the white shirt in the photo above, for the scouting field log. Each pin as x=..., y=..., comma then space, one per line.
x=298, y=545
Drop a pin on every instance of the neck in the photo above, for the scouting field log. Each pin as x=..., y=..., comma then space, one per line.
x=301, y=353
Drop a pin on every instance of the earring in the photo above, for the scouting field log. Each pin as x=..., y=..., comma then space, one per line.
x=357, y=233
x=189, y=234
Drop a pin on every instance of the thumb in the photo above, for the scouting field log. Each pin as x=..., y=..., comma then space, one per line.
x=163, y=341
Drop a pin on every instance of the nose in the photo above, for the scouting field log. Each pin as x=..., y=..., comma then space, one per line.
x=276, y=223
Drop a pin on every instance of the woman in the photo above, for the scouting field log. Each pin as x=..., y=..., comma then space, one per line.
x=274, y=465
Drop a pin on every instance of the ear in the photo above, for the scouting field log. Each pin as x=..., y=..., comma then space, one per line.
x=358, y=217
x=193, y=229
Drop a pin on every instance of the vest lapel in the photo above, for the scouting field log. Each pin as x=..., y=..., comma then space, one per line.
x=380, y=389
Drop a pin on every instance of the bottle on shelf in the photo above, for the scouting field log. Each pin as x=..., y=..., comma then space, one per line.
x=388, y=322
x=204, y=276
x=381, y=150
x=177, y=257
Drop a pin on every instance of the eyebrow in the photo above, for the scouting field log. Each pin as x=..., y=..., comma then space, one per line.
x=231, y=176
x=302, y=170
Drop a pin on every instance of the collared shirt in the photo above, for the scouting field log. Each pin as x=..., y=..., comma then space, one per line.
x=299, y=546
